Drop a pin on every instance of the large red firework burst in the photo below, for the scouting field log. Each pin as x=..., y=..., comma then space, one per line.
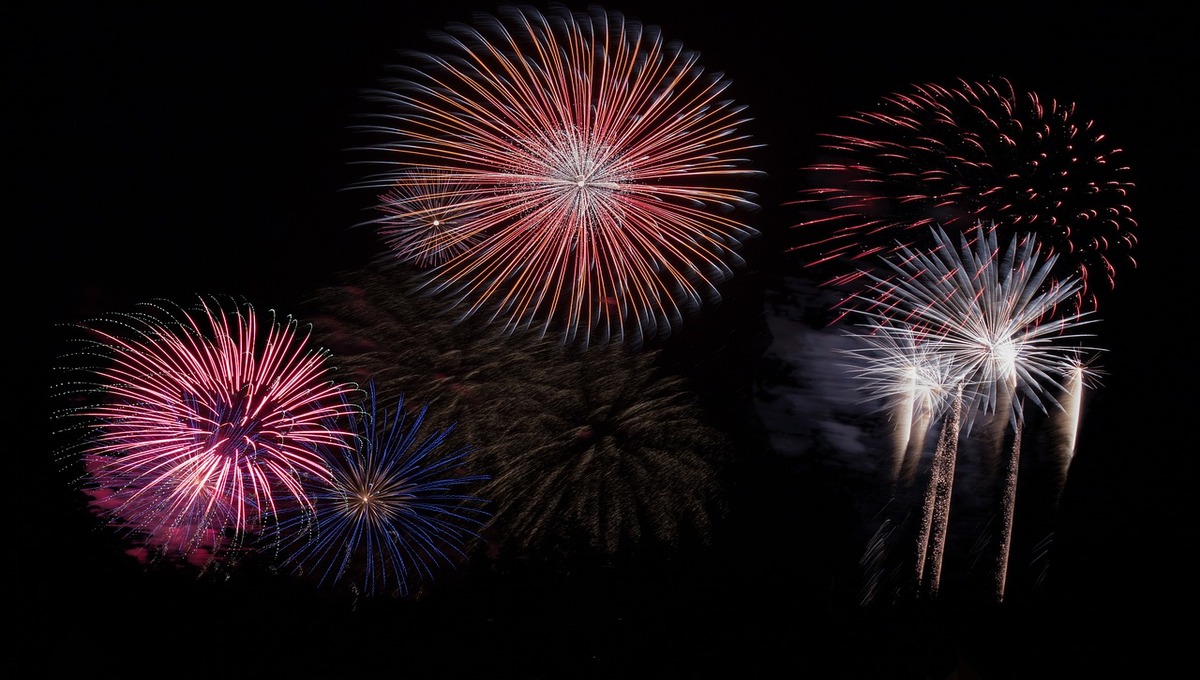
x=199, y=427
x=954, y=157
x=590, y=167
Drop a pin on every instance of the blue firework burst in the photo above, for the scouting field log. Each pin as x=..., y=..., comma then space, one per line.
x=397, y=511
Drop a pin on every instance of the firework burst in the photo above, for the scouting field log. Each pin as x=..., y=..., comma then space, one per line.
x=598, y=166
x=953, y=156
x=428, y=218
x=988, y=309
x=200, y=427
x=600, y=454
x=394, y=513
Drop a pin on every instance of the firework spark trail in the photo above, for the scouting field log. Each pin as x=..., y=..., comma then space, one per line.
x=1007, y=508
x=954, y=156
x=872, y=561
x=935, y=515
x=198, y=424
x=599, y=167
x=902, y=441
x=1072, y=401
x=394, y=512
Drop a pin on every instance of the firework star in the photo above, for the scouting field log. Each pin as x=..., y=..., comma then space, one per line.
x=953, y=156
x=593, y=170
x=395, y=512
x=197, y=426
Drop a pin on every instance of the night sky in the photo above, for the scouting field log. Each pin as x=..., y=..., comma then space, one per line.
x=169, y=151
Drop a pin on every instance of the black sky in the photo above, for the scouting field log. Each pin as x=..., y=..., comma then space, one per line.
x=181, y=149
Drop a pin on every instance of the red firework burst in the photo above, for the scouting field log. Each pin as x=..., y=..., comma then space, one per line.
x=954, y=157
x=595, y=163
x=200, y=427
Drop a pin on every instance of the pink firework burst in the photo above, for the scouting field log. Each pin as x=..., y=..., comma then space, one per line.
x=951, y=157
x=597, y=163
x=200, y=426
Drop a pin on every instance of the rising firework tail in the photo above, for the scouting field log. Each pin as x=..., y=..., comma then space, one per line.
x=591, y=171
x=894, y=363
x=1084, y=377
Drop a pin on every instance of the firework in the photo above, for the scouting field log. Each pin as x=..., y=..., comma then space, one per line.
x=981, y=317
x=427, y=219
x=600, y=454
x=935, y=513
x=953, y=156
x=199, y=426
x=597, y=166
x=394, y=511
x=1081, y=377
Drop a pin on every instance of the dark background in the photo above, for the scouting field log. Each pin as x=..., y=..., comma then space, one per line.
x=167, y=151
